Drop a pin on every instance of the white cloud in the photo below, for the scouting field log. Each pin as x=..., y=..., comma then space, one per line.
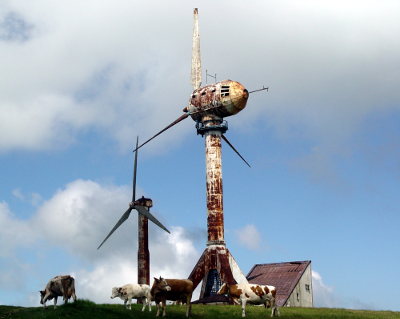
x=18, y=194
x=81, y=215
x=96, y=284
x=14, y=232
x=74, y=221
x=326, y=296
x=33, y=198
x=114, y=69
x=323, y=294
x=249, y=237
x=170, y=257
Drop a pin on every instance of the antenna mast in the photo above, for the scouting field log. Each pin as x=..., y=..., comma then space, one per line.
x=211, y=76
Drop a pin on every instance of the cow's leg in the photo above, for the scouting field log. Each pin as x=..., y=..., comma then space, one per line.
x=188, y=305
x=144, y=302
x=158, y=308
x=148, y=299
x=73, y=295
x=55, y=301
x=129, y=303
x=243, y=300
x=275, y=310
x=164, y=306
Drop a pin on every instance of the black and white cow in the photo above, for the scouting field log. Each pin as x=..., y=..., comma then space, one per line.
x=58, y=286
x=129, y=291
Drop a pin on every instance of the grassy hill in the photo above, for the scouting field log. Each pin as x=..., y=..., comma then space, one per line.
x=84, y=309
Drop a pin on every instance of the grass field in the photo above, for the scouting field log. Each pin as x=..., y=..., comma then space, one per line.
x=84, y=309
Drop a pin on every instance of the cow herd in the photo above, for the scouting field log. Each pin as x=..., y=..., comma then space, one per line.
x=178, y=290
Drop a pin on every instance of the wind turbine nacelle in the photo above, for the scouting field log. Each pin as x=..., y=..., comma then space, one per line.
x=222, y=99
x=143, y=201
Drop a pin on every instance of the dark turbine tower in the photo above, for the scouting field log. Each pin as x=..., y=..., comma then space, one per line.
x=208, y=105
x=142, y=206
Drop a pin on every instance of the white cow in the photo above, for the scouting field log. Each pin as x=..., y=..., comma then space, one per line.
x=251, y=293
x=58, y=286
x=129, y=291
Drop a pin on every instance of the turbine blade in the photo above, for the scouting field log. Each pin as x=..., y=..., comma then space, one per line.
x=196, y=59
x=134, y=172
x=123, y=218
x=229, y=143
x=181, y=118
x=143, y=211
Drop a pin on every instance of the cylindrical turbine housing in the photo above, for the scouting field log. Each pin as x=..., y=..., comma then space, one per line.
x=221, y=99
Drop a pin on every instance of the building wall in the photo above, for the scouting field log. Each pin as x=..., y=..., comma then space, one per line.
x=302, y=295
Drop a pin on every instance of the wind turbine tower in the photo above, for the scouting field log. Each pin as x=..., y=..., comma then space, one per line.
x=208, y=106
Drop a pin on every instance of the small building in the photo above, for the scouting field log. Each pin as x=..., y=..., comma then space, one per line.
x=293, y=281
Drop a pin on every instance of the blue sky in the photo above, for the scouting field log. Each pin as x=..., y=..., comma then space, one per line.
x=81, y=80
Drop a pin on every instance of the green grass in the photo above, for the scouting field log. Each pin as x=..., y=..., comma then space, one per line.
x=83, y=309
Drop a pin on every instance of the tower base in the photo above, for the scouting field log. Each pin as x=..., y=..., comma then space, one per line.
x=215, y=267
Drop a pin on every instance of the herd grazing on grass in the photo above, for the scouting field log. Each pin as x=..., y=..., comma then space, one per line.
x=177, y=290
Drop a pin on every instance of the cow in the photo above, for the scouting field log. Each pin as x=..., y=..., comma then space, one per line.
x=58, y=286
x=172, y=289
x=130, y=291
x=251, y=293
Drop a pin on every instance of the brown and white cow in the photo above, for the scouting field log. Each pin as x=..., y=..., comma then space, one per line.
x=130, y=291
x=172, y=289
x=251, y=293
x=58, y=286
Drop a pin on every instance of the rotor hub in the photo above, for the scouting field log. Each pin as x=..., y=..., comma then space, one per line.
x=211, y=124
x=143, y=201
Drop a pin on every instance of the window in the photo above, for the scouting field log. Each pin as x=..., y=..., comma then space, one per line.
x=225, y=90
x=307, y=287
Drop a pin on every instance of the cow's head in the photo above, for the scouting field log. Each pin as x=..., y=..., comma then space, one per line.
x=42, y=293
x=115, y=292
x=161, y=284
x=223, y=290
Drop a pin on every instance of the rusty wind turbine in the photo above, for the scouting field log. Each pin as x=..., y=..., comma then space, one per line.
x=142, y=206
x=208, y=106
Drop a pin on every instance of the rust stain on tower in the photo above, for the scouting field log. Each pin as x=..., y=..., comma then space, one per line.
x=215, y=214
x=143, y=251
x=216, y=264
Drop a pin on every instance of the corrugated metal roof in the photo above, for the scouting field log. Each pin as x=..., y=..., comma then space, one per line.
x=284, y=276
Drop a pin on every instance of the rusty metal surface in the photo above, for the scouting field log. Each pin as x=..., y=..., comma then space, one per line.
x=222, y=99
x=215, y=214
x=196, y=59
x=284, y=276
x=143, y=251
x=213, y=257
